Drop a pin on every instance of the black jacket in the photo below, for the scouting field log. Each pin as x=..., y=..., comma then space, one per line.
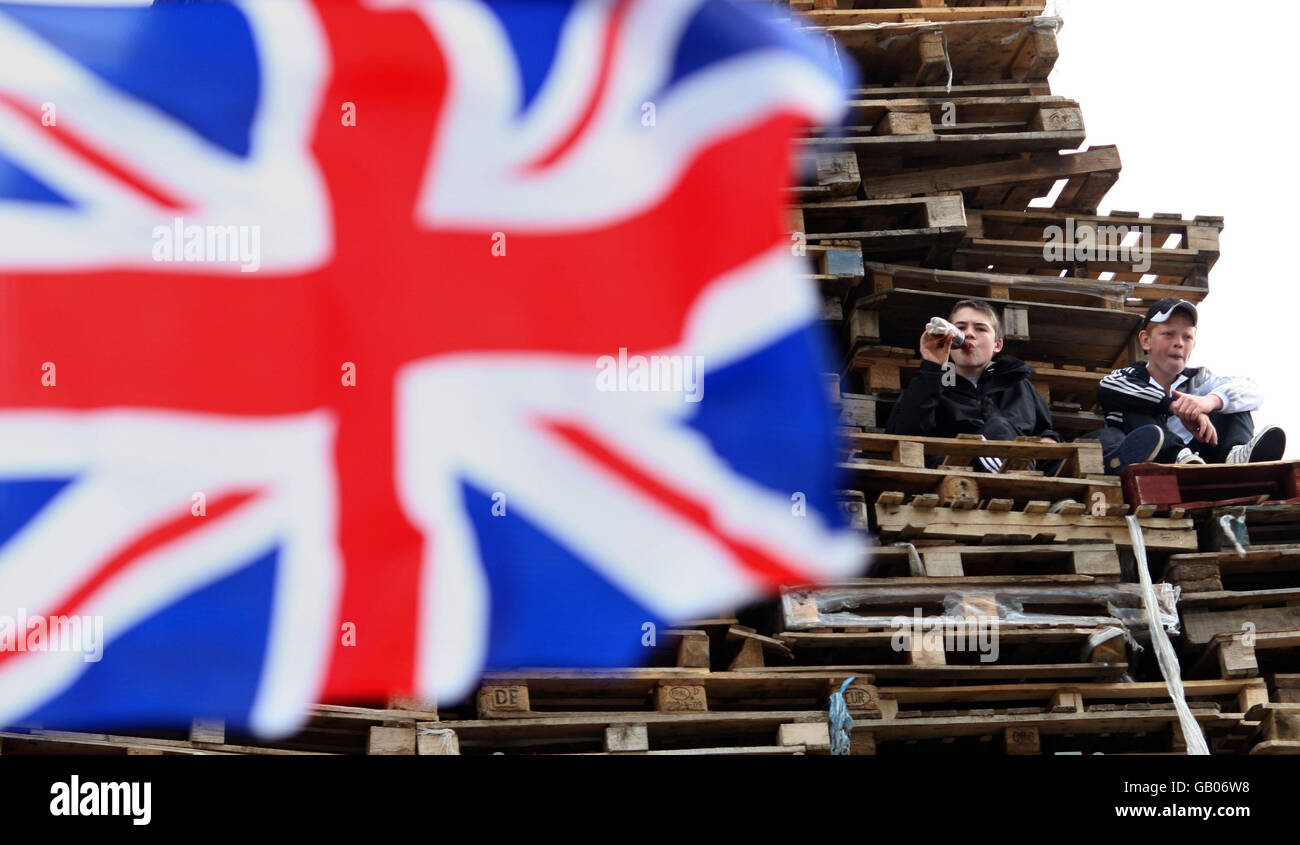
x=929, y=408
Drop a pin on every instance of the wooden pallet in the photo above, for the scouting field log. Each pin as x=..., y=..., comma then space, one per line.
x=836, y=270
x=1088, y=293
x=884, y=371
x=952, y=484
x=639, y=731
x=963, y=705
x=1200, y=487
x=918, y=702
x=979, y=624
x=1098, y=561
x=1029, y=88
x=546, y=693
x=1244, y=655
x=1251, y=525
x=1081, y=460
x=1008, y=182
x=826, y=175
x=1286, y=687
x=1014, y=50
x=36, y=741
x=866, y=606
x=807, y=732
x=1279, y=728
x=1067, y=334
x=834, y=260
x=925, y=674
x=1103, y=731
x=858, y=411
x=1062, y=129
x=901, y=12
x=1043, y=242
x=329, y=729
x=962, y=126
x=1060, y=652
x=1263, y=567
x=998, y=524
x=927, y=228
x=1206, y=616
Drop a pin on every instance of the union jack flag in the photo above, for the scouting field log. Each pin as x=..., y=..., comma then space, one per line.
x=376, y=457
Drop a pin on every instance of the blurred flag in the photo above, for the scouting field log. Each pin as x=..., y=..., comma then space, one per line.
x=354, y=348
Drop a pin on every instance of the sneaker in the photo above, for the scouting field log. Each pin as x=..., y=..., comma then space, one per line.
x=1141, y=444
x=1187, y=456
x=1268, y=445
x=993, y=465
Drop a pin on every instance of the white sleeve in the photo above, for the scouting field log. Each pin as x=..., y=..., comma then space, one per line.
x=1238, y=394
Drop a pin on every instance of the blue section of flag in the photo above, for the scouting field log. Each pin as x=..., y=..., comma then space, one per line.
x=548, y=606
x=199, y=65
x=768, y=417
x=200, y=656
x=534, y=31
x=722, y=30
x=22, y=499
x=18, y=184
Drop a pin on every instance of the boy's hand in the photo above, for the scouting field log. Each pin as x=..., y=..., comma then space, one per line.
x=935, y=348
x=1204, y=430
x=1188, y=408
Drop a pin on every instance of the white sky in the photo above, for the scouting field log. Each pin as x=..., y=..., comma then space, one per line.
x=1197, y=100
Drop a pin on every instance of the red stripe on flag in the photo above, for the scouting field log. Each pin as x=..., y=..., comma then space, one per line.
x=771, y=572
x=613, y=28
x=160, y=536
x=92, y=156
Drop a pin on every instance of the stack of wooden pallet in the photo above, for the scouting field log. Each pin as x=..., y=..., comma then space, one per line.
x=1240, y=592
x=398, y=726
x=924, y=195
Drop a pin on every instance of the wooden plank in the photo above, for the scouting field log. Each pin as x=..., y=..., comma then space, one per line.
x=965, y=448
x=1071, y=334
x=872, y=479
x=979, y=51
x=815, y=736
x=627, y=738
x=1037, y=168
x=391, y=740
x=1201, y=627
x=932, y=13
x=949, y=524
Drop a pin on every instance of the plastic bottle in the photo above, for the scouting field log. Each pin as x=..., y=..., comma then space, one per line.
x=939, y=326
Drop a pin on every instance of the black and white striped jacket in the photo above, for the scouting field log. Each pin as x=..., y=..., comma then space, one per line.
x=1129, y=398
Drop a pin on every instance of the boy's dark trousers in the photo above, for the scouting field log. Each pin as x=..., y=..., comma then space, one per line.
x=1234, y=430
x=1000, y=428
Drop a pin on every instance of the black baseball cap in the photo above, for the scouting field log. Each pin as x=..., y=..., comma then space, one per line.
x=1165, y=308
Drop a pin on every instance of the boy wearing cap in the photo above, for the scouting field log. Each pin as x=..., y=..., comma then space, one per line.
x=1188, y=414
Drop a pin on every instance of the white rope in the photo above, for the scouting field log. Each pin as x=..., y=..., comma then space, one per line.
x=1226, y=525
x=1165, y=656
x=915, y=566
x=947, y=61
